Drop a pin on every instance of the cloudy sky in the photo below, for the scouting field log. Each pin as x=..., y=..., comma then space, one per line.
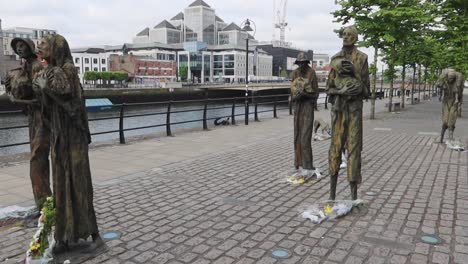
x=114, y=22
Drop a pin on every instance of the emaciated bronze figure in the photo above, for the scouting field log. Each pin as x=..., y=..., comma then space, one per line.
x=73, y=189
x=19, y=89
x=303, y=92
x=461, y=87
x=348, y=84
x=449, y=83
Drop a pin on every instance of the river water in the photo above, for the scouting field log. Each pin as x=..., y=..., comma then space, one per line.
x=12, y=136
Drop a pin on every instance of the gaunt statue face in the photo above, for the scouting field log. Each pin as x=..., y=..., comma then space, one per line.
x=451, y=75
x=349, y=37
x=44, y=49
x=23, y=50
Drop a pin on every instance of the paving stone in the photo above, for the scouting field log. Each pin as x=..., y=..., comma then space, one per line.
x=440, y=258
x=192, y=211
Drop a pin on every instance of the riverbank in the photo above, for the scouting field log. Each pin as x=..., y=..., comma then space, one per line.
x=118, y=96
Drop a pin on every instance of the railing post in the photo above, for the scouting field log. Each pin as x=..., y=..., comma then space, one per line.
x=168, y=120
x=274, y=107
x=290, y=104
x=326, y=101
x=121, y=124
x=256, y=111
x=246, y=111
x=205, y=109
x=233, y=112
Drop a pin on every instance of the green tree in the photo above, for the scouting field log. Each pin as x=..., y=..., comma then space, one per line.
x=284, y=73
x=91, y=76
x=183, y=73
x=120, y=77
x=106, y=77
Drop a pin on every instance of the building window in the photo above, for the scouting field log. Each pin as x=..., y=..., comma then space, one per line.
x=86, y=69
x=103, y=69
x=77, y=70
x=86, y=60
x=77, y=60
x=103, y=61
x=229, y=72
x=217, y=65
x=95, y=61
x=95, y=69
x=229, y=64
x=229, y=57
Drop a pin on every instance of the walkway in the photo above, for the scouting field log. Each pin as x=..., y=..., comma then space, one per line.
x=220, y=197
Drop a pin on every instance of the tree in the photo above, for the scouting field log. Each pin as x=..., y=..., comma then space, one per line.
x=106, y=77
x=183, y=73
x=120, y=77
x=91, y=76
x=284, y=73
x=369, y=26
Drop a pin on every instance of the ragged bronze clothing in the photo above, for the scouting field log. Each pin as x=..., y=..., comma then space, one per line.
x=346, y=111
x=304, y=100
x=19, y=85
x=346, y=134
x=72, y=184
x=451, y=98
x=361, y=73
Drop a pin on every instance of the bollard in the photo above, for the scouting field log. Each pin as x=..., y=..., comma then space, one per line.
x=233, y=112
x=290, y=105
x=121, y=124
x=168, y=119
x=274, y=107
x=256, y=112
x=246, y=112
x=205, y=109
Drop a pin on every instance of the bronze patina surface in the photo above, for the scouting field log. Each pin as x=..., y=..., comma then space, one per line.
x=303, y=91
x=72, y=184
x=348, y=84
x=19, y=89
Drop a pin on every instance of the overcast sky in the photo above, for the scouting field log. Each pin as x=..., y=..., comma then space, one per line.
x=114, y=22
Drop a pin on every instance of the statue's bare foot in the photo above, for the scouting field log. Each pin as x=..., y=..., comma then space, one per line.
x=59, y=248
x=97, y=240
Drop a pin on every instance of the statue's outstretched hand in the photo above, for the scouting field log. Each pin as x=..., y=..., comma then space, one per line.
x=39, y=83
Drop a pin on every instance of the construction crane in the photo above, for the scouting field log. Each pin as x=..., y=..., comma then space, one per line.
x=279, y=20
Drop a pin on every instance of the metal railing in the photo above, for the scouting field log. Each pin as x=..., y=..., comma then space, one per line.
x=277, y=103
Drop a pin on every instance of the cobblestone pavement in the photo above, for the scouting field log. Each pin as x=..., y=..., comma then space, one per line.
x=234, y=206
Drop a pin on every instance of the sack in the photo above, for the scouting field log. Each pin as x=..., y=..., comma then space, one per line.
x=19, y=84
x=300, y=85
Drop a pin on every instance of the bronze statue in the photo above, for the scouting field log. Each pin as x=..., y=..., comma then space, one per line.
x=303, y=91
x=19, y=89
x=449, y=83
x=73, y=189
x=324, y=126
x=347, y=85
x=461, y=87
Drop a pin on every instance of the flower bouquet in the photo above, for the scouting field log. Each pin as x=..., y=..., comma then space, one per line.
x=40, y=248
x=327, y=210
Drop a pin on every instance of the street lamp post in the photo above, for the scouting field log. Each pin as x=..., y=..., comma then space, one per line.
x=246, y=27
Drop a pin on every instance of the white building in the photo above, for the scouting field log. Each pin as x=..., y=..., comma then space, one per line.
x=198, y=22
x=35, y=34
x=321, y=60
x=226, y=65
x=90, y=60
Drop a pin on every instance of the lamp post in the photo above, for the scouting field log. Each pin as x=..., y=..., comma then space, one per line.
x=246, y=27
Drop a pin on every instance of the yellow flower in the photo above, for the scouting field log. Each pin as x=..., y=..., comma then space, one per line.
x=301, y=180
x=328, y=209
